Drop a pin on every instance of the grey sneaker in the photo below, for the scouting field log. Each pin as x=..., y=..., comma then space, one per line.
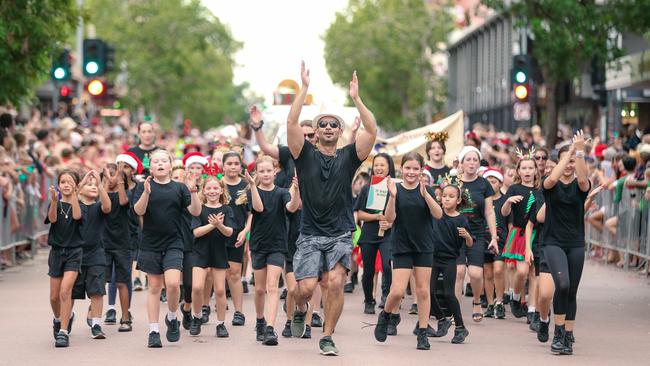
x=286, y=332
x=307, y=334
x=222, y=332
x=173, y=330
x=298, y=322
x=97, y=332
x=62, y=340
x=327, y=347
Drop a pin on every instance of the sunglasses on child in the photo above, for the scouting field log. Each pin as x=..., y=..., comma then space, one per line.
x=332, y=123
x=310, y=135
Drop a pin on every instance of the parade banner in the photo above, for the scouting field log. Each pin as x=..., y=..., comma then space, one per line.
x=377, y=196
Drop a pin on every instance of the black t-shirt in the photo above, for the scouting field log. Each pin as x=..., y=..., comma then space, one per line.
x=446, y=240
x=117, y=233
x=370, y=229
x=294, y=231
x=240, y=212
x=502, y=222
x=65, y=232
x=214, y=237
x=438, y=174
x=92, y=231
x=135, y=232
x=185, y=227
x=520, y=212
x=285, y=175
x=160, y=231
x=413, y=226
x=478, y=190
x=269, y=227
x=326, y=190
x=144, y=156
x=565, y=225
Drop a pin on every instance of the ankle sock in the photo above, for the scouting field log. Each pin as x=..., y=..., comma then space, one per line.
x=95, y=321
x=171, y=316
x=516, y=297
x=531, y=309
x=154, y=327
x=111, y=307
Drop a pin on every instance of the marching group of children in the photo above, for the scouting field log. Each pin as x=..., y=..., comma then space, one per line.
x=190, y=223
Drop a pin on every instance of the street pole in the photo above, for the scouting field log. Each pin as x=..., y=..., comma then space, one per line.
x=80, y=42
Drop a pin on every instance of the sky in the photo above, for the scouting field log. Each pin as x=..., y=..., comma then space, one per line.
x=276, y=36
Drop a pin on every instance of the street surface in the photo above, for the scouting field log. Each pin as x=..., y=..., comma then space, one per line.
x=613, y=329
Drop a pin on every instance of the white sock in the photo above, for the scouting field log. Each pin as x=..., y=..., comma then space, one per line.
x=111, y=307
x=544, y=320
x=531, y=309
x=95, y=321
x=198, y=316
x=154, y=327
x=58, y=320
x=64, y=331
x=511, y=290
x=171, y=315
x=516, y=297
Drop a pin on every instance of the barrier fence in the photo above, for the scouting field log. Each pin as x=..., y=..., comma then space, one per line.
x=23, y=220
x=626, y=224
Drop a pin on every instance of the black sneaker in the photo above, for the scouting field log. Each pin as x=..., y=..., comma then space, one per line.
x=187, y=317
x=568, y=344
x=443, y=327
x=381, y=329
x=534, y=324
x=137, y=284
x=529, y=317
x=506, y=298
x=542, y=332
x=238, y=319
x=244, y=285
x=270, y=338
x=173, y=330
x=382, y=303
x=260, y=329
x=423, y=341
x=459, y=335
x=72, y=317
x=163, y=296
x=195, y=326
x=286, y=332
x=307, y=334
x=283, y=295
x=489, y=312
x=125, y=326
x=369, y=307
x=205, y=314
x=97, y=332
x=500, y=311
x=517, y=309
x=571, y=337
x=316, y=320
x=327, y=347
x=222, y=332
x=348, y=288
x=414, y=309
x=430, y=331
x=111, y=317
x=557, y=346
x=62, y=340
x=56, y=327
x=298, y=322
x=393, y=322
x=154, y=340
x=484, y=302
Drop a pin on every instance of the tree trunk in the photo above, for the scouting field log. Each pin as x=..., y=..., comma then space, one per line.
x=551, y=122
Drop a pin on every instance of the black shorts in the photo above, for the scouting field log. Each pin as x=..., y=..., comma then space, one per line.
x=410, y=260
x=122, y=260
x=473, y=256
x=288, y=266
x=91, y=281
x=543, y=266
x=156, y=263
x=209, y=260
x=236, y=254
x=64, y=260
x=261, y=260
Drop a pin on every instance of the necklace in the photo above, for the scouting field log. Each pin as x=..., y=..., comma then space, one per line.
x=65, y=213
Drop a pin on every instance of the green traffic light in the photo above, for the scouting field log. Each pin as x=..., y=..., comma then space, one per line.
x=92, y=67
x=59, y=73
x=520, y=77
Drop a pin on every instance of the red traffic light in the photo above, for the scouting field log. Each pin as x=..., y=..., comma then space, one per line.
x=65, y=91
x=96, y=87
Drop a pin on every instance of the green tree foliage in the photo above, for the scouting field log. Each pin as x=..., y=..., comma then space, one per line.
x=569, y=34
x=31, y=32
x=389, y=43
x=178, y=58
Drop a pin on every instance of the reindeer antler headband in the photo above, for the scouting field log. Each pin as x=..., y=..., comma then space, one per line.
x=529, y=156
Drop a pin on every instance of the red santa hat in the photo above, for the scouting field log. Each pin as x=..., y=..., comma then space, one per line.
x=194, y=157
x=131, y=160
x=493, y=173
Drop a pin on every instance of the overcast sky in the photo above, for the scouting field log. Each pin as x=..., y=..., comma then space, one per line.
x=277, y=35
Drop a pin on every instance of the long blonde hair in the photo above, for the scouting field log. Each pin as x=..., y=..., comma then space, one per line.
x=517, y=179
x=224, y=199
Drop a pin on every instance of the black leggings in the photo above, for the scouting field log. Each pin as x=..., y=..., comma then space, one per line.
x=565, y=265
x=368, y=256
x=187, y=277
x=448, y=271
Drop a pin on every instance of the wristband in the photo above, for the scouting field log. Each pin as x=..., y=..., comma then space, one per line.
x=257, y=128
x=580, y=154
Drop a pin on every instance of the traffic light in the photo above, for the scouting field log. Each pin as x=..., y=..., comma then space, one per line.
x=521, y=77
x=61, y=66
x=97, y=57
x=96, y=88
x=65, y=91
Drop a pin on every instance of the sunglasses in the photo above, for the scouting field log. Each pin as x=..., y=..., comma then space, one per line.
x=310, y=135
x=332, y=123
x=541, y=157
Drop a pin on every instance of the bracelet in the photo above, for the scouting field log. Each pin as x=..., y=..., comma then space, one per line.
x=257, y=128
x=580, y=154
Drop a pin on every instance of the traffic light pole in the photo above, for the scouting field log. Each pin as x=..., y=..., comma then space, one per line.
x=80, y=42
x=55, y=97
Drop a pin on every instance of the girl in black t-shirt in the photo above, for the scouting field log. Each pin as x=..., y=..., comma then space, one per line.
x=375, y=236
x=450, y=235
x=411, y=208
x=212, y=230
x=161, y=203
x=520, y=203
x=565, y=191
x=436, y=151
x=64, y=261
x=268, y=243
